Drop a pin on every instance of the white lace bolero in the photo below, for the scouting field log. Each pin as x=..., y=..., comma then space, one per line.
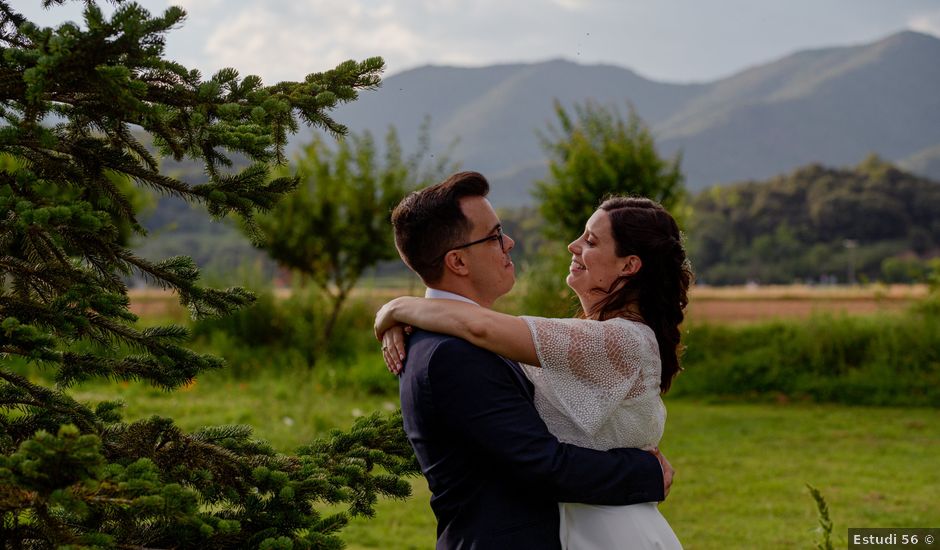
x=598, y=386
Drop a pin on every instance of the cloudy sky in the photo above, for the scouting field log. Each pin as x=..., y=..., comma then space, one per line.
x=670, y=40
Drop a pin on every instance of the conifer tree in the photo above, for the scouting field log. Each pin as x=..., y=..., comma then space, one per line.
x=72, y=100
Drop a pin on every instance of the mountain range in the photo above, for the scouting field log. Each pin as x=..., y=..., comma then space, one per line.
x=831, y=106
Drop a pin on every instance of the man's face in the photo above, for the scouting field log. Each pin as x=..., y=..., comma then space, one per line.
x=492, y=272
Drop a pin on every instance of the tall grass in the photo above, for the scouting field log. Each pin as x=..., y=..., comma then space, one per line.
x=894, y=360
x=291, y=326
x=825, y=522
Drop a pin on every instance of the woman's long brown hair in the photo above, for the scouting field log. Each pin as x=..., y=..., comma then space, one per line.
x=644, y=228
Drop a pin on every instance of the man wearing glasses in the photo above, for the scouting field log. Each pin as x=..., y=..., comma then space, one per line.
x=495, y=472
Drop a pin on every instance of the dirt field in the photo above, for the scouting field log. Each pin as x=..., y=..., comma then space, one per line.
x=750, y=304
x=707, y=304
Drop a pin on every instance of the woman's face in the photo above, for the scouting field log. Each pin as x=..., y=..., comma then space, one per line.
x=594, y=261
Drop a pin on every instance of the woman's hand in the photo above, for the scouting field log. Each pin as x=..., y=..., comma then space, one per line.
x=393, y=348
x=385, y=318
x=392, y=335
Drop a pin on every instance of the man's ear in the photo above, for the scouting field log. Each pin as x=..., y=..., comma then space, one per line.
x=632, y=266
x=454, y=262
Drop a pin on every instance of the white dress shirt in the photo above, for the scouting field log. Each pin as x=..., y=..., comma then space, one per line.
x=445, y=295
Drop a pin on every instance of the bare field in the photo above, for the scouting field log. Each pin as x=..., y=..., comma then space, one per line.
x=752, y=304
x=706, y=304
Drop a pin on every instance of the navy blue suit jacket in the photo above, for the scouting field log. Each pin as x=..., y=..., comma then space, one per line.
x=495, y=472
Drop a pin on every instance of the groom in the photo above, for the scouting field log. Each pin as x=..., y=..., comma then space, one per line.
x=495, y=472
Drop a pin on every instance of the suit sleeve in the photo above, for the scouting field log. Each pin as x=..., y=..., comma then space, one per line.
x=477, y=396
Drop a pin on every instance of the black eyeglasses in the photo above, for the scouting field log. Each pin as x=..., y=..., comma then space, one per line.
x=497, y=237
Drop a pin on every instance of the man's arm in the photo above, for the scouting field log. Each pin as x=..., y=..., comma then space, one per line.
x=476, y=392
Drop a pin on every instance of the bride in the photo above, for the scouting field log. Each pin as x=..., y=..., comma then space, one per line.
x=598, y=378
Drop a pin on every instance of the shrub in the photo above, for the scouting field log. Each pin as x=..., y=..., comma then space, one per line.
x=281, y=333
x=858, y=360
x=542, y=290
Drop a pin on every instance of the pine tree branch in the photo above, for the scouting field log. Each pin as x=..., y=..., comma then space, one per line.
x=52, y=401
x=11, y=403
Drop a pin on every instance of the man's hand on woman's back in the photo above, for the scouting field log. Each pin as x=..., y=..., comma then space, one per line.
x=668, y=470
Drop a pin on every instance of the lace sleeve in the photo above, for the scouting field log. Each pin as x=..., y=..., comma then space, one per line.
x=593, y=366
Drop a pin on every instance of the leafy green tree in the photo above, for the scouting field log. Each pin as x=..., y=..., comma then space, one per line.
x=597, y=153
x=933, y=277
x=74, y=474
x=816, y=222
x=336, y=225
x=593, y=154
x=904, y=270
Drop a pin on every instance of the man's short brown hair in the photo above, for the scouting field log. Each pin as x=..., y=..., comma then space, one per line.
x=429, y=222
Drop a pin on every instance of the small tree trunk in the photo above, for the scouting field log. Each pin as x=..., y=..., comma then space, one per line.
x=337, y=305
x=334, y=315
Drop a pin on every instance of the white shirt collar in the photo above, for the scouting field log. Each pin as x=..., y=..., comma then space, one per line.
x=445, y=295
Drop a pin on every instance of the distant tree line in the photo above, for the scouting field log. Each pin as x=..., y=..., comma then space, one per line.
x=871, y=222
x=817, y=224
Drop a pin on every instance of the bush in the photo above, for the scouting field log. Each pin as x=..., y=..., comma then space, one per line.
x=280, y=333
x=541, y=290
x=904, y=270
x=366, y=374
x=854, y=360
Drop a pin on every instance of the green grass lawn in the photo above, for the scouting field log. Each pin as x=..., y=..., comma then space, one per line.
x=741, y=468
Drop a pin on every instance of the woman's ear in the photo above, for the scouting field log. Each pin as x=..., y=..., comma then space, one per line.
x=633, y=264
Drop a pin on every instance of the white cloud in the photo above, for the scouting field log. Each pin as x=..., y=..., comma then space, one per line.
x=572, y=5
x=441, y=5
x=691, y=40
x=927, y=23
x=281, y=40
x=310, y=36
x=191, y=5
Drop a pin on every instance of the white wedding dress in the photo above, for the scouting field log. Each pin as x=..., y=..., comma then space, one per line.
x=598, y=387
